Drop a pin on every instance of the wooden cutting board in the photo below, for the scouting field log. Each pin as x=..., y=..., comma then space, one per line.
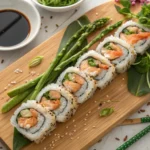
x=86, y=127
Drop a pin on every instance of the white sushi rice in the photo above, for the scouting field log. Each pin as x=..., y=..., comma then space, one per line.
x=87, y=89
x=129, y=55
x=105, y=76
x=46, y=122
x=142, y=45
x=68, y=102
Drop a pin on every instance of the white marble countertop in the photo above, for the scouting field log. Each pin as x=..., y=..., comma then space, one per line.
x=109, y=142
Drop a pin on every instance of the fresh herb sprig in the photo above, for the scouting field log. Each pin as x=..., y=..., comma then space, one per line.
x=142, y=66
x=139, y=75
x=57, y=3
x=143, y=16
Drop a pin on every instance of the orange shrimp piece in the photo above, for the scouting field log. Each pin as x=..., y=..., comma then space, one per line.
x=55, y=94
x=85, y=66
x=79, y=79
x=33, y=112
x=134, y=38
x=116, y=52
x=27, y=122
x=52, y=104
x=71, y=86
x=103, y=66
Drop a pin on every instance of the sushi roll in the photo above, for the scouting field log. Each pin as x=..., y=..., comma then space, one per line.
x=78, y=83
x=33, y=121
x=120, y=53
x=97, y=66
x=57, y=99
x=135, y=35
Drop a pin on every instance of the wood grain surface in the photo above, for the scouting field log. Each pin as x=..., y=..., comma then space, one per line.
x=86, y=127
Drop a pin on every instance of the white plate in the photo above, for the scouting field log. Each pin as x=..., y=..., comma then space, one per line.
x=30, y=12
x=59, y=9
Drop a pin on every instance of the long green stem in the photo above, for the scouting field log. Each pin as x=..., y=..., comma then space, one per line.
x=24, y=87
x=97, y=38
x=62, y=53
x=89, y=30
x=47, y=74
x=15, y=100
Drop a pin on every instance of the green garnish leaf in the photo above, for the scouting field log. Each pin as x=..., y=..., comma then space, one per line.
x=36, y=61
x=46, y=95
x=91, y=62
x=118, y=9
x=139, y=76
x=106, y=112
x=107, y=46
x=19, y=141
x=67, y=77
x=126, y=3
x=127, y=32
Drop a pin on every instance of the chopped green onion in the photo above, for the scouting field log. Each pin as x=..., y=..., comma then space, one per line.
x=106, y=112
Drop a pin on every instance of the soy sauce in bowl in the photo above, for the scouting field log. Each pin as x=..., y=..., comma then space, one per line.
x=14, y=27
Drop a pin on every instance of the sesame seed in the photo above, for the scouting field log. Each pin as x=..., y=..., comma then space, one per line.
x=107, y=95
x=62, y=136
x=122, y=78
x=85, y=119
x=73, y=120
x=5, y=88
x=93, y=126
x=9, y=85
x=74, y=130
x=66, y=133
x=109, y=101
x=96, y=14
x=85, y=124
x=75, y=125
x=13, y=82
x=78, y=137
x=67, y=127
x=99, y=108
x=85, y=129
x=89, y=112
x=95, y=101
x=52, y=142
x=44, y=148
x=71, y=138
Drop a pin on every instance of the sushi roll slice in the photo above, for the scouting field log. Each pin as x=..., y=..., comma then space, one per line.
x=78, y=83
x=33, y=121
x=135, y=35
x=97, y=66
x=120, y=53
x=57, y=99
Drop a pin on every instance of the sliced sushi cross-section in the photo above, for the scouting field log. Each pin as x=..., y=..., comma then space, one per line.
x=57, y=99
x=33, y=121
x=78, y=83
x=96, y=66
x=135, y=35
x=120, y=53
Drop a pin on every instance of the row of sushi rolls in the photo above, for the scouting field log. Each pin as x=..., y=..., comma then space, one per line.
x=59, y=101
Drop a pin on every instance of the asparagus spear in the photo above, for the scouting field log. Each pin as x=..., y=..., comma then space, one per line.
x=97, y=38
x=89, y=30
x=45, y=77
x=34, y=82
x=15, y=100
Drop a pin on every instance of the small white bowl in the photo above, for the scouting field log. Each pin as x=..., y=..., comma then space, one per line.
x=30, y=12
x=59, y=9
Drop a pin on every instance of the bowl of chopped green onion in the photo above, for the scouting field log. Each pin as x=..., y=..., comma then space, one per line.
x=58, y=5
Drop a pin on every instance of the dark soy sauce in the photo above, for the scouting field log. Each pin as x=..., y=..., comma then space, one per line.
x=14, y=27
